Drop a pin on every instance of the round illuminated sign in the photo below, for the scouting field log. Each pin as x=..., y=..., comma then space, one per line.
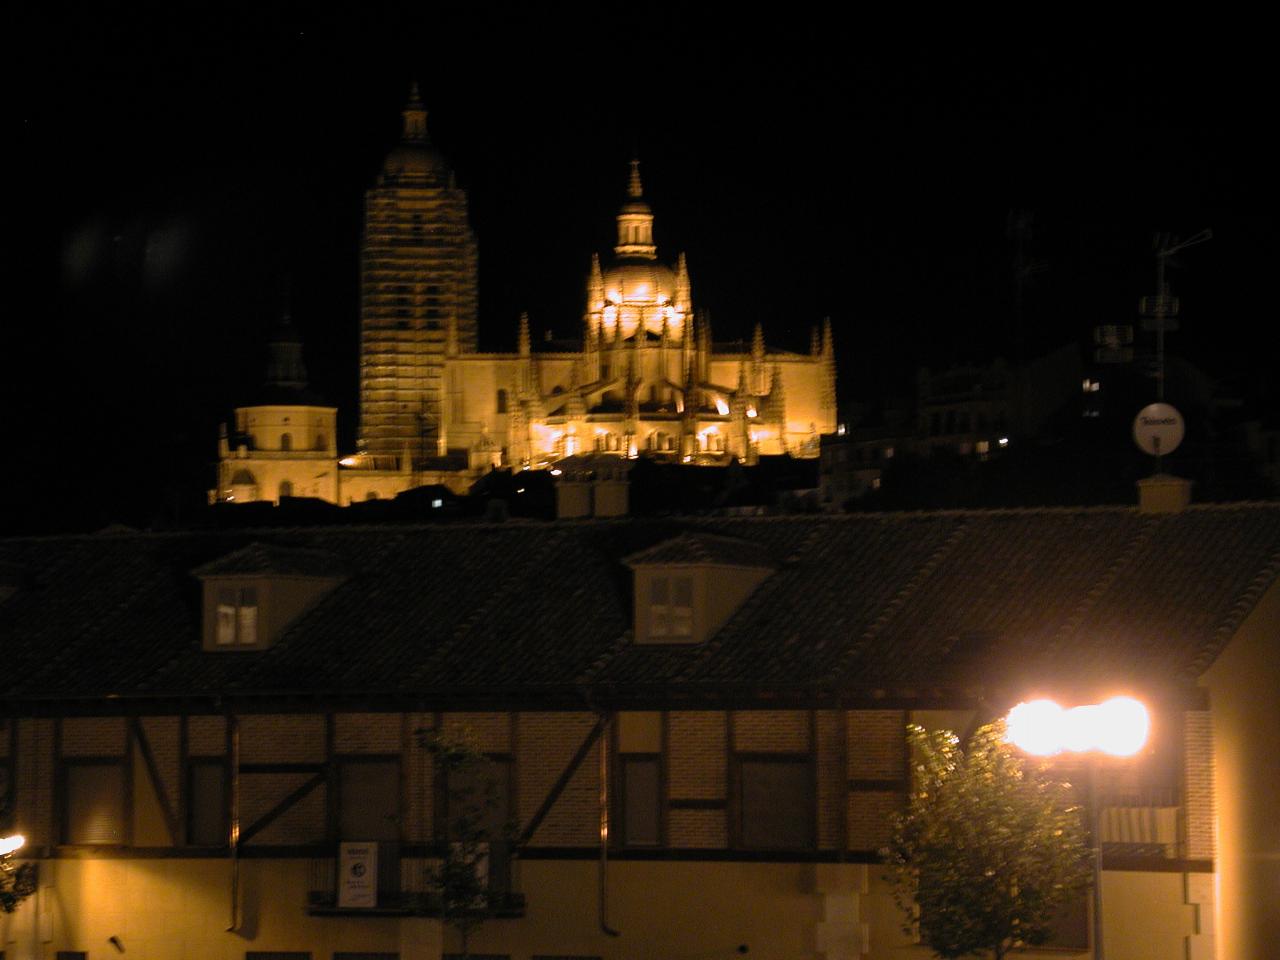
x=1158, y=428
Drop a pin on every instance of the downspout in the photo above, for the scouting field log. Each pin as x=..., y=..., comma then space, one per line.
x=233, y=839
x=604, y=832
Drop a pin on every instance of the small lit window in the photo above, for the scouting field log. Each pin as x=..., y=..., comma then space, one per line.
x=671, y=606
x=237, y=616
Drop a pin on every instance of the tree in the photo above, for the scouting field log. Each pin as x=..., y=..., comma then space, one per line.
x=462, y=881
x=989, y=847
x=17, y=880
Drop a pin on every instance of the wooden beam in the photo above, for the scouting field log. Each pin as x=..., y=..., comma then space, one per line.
x=562, y=781
x=271, y=815
x=153, y=774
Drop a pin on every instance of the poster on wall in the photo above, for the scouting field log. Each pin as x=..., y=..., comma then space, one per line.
x=358, y=874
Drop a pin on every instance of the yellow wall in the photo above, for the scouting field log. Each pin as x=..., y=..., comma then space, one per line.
x=1245, y=707
x=181, y=909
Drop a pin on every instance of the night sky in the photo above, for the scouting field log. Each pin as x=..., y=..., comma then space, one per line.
x=178, y=182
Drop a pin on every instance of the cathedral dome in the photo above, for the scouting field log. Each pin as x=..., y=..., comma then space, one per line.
x=415, y=161
x=644, y=281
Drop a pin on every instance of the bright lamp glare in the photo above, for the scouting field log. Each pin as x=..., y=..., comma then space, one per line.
x=1118, y=727
x=1035, y=727
x=1082, y=728
x=9, y=844
x=1123, y=726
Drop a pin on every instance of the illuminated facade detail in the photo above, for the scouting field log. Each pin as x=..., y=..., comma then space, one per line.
x=417, y=294
x=646, y=378
x=284, y=445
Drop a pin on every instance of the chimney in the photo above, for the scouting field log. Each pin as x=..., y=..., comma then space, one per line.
x=1163, y=493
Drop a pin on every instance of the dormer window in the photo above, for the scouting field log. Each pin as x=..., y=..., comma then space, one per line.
x=671, y=606
x=237, y=616
x=253, y=596
x=687, y=588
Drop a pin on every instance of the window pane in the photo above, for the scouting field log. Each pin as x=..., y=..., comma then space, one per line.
x=207, y=804
x=777, y=804
x=248, y=616
x=369, y=794
x=641, y=796
x=95, y=803
x=226, y=625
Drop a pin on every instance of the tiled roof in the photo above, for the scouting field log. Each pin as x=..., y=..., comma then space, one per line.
x=267, y=558
x=693, y=548
x=855, y=604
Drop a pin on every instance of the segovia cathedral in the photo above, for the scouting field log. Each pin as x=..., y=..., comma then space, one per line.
x=646, y=379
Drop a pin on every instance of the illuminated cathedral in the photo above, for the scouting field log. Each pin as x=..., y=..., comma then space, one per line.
x=646, y=378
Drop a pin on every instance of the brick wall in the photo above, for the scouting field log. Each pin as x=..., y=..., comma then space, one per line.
x=877, y=744
x=282, y=738
x=831, y=777
x=206, y=736
x=369, y=733
x=1197, y=788
x=697, y=755
x=34, y=776
x=869, y=813
x=162, y=735
x=771, y=731
x=546, y=744
x=93, y=737
x=419, y=780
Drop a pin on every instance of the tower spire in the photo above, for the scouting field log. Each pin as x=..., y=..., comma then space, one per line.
x=635, y=189
x=635, y=221
x=415, y=117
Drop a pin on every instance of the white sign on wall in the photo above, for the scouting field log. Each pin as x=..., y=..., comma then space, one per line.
x=358, y=874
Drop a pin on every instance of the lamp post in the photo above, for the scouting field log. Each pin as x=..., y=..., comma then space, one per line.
x=1118, y=727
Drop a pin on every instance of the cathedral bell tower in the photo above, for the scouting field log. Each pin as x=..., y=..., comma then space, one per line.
x=418, y=294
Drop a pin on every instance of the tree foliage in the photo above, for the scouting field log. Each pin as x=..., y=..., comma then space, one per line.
x=461, y=881
x=989, y=847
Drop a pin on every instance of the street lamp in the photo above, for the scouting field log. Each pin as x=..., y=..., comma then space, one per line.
x=10, y=844
x=1118, y=727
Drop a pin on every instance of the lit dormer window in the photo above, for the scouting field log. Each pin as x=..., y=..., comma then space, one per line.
x=237, y=616
x=687, y=588
x=671, y=606
x=254, y=595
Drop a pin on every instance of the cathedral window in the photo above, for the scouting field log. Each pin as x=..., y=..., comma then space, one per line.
x=286, y=488
x=322, y=441
x=286, y=441
x=502, y=401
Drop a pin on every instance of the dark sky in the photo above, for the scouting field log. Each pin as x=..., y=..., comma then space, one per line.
x=176, y=177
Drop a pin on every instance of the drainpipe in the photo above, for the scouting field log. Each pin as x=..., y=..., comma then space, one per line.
x=233, y=755
x=604, y=832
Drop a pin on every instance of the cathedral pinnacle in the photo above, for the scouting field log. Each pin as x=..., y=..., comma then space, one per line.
x=635, y=222
x=415, y=117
